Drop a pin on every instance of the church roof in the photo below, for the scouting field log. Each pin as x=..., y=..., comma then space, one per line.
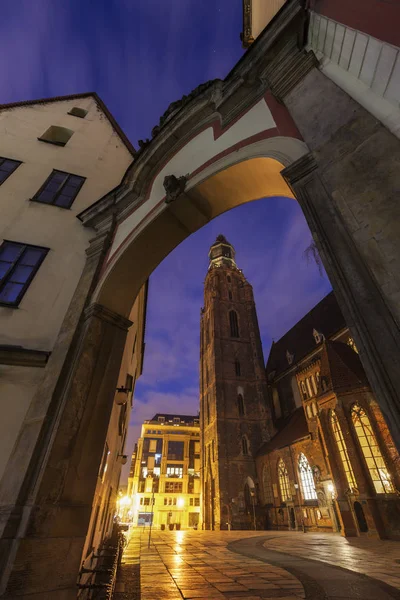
x=341, y=367
x=326, y=318
x=292, y=429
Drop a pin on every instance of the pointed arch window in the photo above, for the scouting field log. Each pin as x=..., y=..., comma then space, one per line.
x=240, y=404
x=377, y=468
x=233, y=323
x=245, y=445
x=342, y=448
x=306, y=479
x=283, y=481
x=267, y=486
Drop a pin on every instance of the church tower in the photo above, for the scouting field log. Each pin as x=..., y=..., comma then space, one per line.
x=234, y=415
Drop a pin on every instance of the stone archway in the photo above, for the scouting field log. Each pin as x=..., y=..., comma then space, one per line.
x=274, y=122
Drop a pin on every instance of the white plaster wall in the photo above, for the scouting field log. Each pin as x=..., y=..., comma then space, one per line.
x=94, y=151
x=17, y=387
x=262, y=12
x=363, y=66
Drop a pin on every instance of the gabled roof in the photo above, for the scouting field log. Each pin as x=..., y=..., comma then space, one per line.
x=341, y=368
x=98, y=101
x=326, y=317
x=292, y=429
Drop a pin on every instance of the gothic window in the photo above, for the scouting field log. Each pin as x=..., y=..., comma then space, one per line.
x=342, y=448
x=237, y=368
x=314, y=409
x=306, y=479
x=309, y=390
x=309, y=411
x=267, y=486
x=314, y=384
x=240, y=403
x=283, y=481
x=234, y=325
x=373, y=457
x=245, y=445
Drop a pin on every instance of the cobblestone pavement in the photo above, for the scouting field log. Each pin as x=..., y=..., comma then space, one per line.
x=379, y=559
x=198, y=565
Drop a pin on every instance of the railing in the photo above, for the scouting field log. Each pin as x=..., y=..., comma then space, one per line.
x=98, y=583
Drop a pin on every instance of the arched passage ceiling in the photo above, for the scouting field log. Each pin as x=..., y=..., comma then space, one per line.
x=148, y=246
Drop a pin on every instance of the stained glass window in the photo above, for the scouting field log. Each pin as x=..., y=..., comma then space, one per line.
x=307, y=479
x=344, y=455
x=373, y=457
x=283, y=481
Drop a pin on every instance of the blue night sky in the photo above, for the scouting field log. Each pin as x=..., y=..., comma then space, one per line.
x=140, y=55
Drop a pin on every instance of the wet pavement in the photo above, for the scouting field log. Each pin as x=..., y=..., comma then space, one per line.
x=256, y=566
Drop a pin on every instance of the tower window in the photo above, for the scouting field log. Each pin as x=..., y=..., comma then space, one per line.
x=307, y=479
x=240, y=403
x=234, y=325
x=373, y=457
x=228, y=279
x=245, y=446
x=230, y=295
x=237, y=368
x=283, y=481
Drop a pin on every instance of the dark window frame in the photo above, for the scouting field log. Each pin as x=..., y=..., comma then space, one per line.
x=238, y=369
x=36, y=197
x=234, y=324
x=17, y=164
x=14, y=265
x=240, y=402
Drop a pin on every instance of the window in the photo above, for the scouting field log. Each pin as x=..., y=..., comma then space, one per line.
x=175, y=450
x=146, y=502
x=228, y=278
x=306, y=479
x=314, y=384
x=104, y=461
x=129, y=383
x=165, y=501
x=56, y=135
x=161, y=419
x=245, y=446
x=60, y=189
x=373, y=457
x=304, y=390
x=237, y=368
x=342, y=448
x=175, y=471
x=18, y=266
x=173, y=487
x=233, y=322
x=78, y=112
x=177, y=421
x=309, y=390
x=230, y=295
x=283, y=481
x=7, y=167
x=197, y=501
x=267, y=486
x=240, y=403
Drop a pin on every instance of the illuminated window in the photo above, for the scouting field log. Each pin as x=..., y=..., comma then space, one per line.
x=344, y=455
x=314, y=384
x=233, y=322
x=267, y=486
x=373, y=457
x=240, y=403
x=306, y=479
x=283, y=481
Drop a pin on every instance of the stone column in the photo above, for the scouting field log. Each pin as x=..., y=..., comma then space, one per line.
x=47, y=547
x=370, y=320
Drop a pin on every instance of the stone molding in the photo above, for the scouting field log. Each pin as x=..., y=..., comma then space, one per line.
x=23, y=357
x=105, y=314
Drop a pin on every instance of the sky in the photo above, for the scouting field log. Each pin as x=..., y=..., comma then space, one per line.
x=140, y=55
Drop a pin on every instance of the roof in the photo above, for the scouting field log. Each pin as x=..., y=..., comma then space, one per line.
x=341, y=367
x=98, y=101
x=292, y=429
x=168, y=417
x=326, y=317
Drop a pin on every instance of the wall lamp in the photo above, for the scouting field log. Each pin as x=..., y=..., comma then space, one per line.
x=123, y=458
x=122, y=395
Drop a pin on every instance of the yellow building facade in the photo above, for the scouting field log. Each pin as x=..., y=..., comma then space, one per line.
x=164, y=482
